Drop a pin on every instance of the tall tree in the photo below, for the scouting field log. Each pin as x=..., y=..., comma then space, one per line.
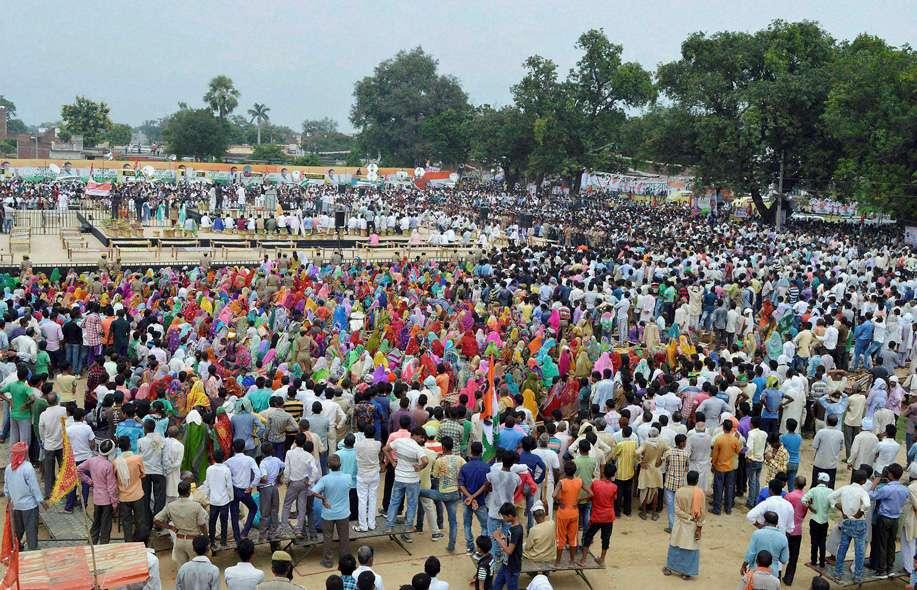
x=322, y=135
x=87, y=118
x=576, y=122
x=259, y=116
x=391, y=105
x=447, y=136
x=752, y=103
x=119, y=134
x=10, y=107
x=197, y=133
x=871, y=112
x=222, y=96
x=502, y=138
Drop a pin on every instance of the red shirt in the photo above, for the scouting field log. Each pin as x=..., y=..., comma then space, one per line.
x=603, y=501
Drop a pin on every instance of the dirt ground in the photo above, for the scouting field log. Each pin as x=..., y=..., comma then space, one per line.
x=636, y=557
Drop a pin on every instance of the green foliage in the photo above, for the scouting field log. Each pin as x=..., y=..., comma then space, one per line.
x=306, y=160
x=576, y=123
x=14, y=126
x=391, y=105
x=745, y=104
x=872, y=115
x=10, y=107
x=502, y=138
x=152, y=128
x=119, y=134
x=8, y=146
x=354, y=158
x=447, y=136
x=197, y=133
x=87, y=118
x=269, y=152
x=222, y=96
x=259, y=116
x=322, y=135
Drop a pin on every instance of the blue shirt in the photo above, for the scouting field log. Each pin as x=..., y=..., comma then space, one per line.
x=769, y=539
x=535, y=465
x=348, y=462
x=891, y=499
x=131, y=429
x=245, y=426
x=509, y=438
x=335, y=487
x=473, y=475
x=21, y=487
x=791, y=442
x=770, y=403
x=759, y=388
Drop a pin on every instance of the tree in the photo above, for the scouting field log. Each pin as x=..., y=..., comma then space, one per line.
x=576, y=122
x=447, y=136
x=269, y=152
x=259, y=116
x=87, y=118
x=119, y=134
x=752, y=105
x=10, y=107
x=354, y=158
x=222, y=97
x=501, y=138
x=390, y=106
x=871, y=112
x=197, y=133
x=152, y=128
x=322, y=135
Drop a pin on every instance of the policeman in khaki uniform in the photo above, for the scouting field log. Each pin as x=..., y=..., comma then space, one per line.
x=186, y=519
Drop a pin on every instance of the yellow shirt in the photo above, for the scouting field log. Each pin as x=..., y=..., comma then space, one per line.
x=625, y=453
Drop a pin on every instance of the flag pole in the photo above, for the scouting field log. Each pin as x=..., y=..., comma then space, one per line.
x=92, y=549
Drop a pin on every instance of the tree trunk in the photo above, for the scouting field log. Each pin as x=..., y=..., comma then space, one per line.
x=576, y=183
x=259, y=133
x=768, y=214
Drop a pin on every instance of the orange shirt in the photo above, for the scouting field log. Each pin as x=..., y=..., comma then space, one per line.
x=569, y=497
x=134, y=490
x=442, y=381
x=726, y=449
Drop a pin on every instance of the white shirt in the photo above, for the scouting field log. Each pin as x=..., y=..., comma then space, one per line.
x=362, y=568
x=154, y=582
x=243, y=576
x=853, y=499
x=367, y=454
x=776, y=504
x=757, y=441
x=50, y=429
x=81, y=438
x=886, y=452
x=408, y=454
x=437, y=584
x=218, y=480
x=300, y=465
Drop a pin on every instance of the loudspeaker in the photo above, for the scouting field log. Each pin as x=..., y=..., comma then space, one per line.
x=340, y=221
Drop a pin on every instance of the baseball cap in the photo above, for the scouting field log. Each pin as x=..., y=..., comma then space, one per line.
x=538, y=506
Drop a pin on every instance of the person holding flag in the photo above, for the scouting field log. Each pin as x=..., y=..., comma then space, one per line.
x=20, y=485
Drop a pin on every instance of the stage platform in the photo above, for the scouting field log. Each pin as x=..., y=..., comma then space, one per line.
x=846, y=580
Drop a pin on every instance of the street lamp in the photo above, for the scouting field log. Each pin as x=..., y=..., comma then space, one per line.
x=35, y=139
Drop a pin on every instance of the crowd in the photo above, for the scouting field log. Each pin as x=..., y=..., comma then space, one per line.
x=519, y=402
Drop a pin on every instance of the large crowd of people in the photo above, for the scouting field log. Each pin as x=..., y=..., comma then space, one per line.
x=646, y=361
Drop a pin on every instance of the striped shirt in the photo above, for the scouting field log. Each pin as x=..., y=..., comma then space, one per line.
x=293, y=407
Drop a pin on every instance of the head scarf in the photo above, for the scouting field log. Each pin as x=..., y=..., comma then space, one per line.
x=18, y=454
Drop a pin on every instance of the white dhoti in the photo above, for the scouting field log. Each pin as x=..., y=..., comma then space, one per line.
x=703, y=472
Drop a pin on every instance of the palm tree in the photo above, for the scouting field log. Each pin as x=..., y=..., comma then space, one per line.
x=259, y=116
x=222, y=97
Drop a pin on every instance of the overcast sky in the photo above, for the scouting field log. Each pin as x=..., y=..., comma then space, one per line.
x=302, y=58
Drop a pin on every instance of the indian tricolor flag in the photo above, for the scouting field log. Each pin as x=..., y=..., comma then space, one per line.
x=491, y=410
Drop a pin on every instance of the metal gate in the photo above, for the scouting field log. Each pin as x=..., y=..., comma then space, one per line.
x=45, y=221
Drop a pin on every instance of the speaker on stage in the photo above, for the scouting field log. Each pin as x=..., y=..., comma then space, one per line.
x=340, y=219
